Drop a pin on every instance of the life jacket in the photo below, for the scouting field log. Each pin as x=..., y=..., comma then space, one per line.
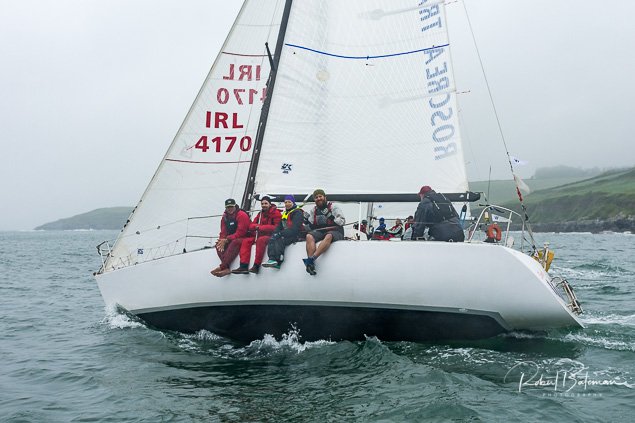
x=442, y=207
x=267, y=218
x=231, y=221
x=323, y=217
x=286, y=217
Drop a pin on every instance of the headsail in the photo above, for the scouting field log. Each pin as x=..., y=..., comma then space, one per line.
x=364, y=102
x=209, y=156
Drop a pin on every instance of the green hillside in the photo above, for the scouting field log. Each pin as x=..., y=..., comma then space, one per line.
x=106, y=218
x=504, y=191
x=608, y=196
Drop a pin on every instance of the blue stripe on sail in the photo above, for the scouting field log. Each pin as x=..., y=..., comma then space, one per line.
x=367, y=57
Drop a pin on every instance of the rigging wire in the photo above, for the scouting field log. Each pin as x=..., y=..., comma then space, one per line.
x=500, y=129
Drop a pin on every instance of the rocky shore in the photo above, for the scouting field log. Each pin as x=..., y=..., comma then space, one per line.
x=593, y=226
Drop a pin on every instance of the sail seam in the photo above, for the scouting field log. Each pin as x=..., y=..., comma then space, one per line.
x=367, y=57
x=193, y=161
x=243, y=55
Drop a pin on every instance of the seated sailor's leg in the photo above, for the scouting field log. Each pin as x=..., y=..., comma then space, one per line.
x=275, y=250
x=229, y=254
x=261, y=246
x=309, y=261
x=245, y=254
x=323, y=245
x=221, y=250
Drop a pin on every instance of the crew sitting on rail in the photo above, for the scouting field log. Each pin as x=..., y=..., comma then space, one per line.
x=285, y=234
x=233, y=228
x=327, y=223
x=259, y=233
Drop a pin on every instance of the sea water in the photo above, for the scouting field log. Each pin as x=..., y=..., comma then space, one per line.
x=65, y=357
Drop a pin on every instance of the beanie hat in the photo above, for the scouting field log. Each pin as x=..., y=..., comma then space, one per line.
x=425, y=189
x=290, y=198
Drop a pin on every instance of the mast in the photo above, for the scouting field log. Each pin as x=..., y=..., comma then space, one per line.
x=253, y=166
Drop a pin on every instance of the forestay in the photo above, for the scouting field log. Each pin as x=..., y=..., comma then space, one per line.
x=209, y=156
x=364, y=101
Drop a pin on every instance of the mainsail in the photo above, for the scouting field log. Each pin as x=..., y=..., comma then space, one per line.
x=364, y=102
x=208, y=159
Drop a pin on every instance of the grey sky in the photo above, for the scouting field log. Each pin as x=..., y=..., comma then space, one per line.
x=94, y=91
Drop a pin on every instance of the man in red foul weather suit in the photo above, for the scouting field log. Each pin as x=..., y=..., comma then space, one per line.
x=260, y=232
x=233, y=229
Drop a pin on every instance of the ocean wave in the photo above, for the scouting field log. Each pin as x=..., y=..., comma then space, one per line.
x=609, y=344
x=206, y=341
x=116, y=318
x=288, y=341
x=609, y=319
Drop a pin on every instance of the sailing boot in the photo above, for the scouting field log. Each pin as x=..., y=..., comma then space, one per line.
x=309, y=263
x=243, y=269
x=255, y=269
x=221, y=271
x=271, y=263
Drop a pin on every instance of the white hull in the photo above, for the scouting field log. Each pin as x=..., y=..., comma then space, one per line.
x=446, y=290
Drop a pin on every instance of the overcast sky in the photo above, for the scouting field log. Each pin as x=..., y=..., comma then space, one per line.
x=92, y=92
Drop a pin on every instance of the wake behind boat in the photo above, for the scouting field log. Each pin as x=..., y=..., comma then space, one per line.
x=346, y=80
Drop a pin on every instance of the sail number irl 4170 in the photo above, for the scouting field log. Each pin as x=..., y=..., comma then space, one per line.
x=223, y=144
x=220, y=120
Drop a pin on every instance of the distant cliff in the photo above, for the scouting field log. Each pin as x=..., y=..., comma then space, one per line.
x=106, y=218
x=603, y=203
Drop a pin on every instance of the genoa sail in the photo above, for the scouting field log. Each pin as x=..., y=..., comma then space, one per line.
x=363, y=86
x=209, y=157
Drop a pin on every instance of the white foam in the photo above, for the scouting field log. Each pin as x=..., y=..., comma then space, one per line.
x=205, y=335
x=290, y=340
x=115, y=319
x=608, y=344
x=610, y=319
x=522, y=335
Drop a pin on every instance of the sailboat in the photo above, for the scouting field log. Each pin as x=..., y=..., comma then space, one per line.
x=346, y=81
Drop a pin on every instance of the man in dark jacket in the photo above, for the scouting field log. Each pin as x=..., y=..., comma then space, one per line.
x=286, y=233
x=233, y=228
x=436, y=213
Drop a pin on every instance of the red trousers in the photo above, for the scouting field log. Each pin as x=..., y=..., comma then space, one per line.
x=230, y=252
x=261, y=247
